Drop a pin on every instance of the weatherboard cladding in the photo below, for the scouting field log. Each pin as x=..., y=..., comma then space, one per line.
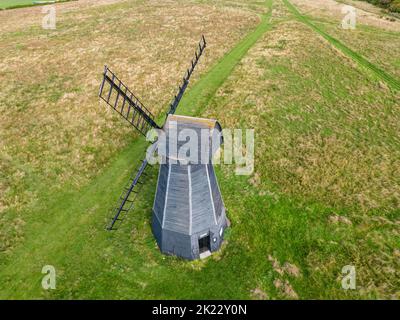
x=178, y=244
x=181, y=241
x=176, y=216
x=202, y=211
x=188, y=208
x=218, y=205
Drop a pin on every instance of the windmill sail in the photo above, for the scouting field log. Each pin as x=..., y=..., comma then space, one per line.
x=185, y=80
x=121, y=99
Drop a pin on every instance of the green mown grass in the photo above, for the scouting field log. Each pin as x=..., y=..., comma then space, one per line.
x=317, y=144
x=14, y=4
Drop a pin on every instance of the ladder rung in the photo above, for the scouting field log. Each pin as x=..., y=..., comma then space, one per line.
x=118, y=219
x=127, y=200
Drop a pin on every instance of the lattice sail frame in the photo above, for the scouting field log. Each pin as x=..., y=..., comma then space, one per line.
x=121, y=99
x=185, y=81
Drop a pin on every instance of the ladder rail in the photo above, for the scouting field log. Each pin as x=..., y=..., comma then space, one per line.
x=125, y=199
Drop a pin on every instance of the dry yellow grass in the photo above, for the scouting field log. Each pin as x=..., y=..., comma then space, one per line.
x=332, y=9
x=31, y=16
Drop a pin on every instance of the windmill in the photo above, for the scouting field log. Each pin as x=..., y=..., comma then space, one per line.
x=188, y=216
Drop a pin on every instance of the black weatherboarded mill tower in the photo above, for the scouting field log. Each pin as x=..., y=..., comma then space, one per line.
x=188, y=213
x=189, y=216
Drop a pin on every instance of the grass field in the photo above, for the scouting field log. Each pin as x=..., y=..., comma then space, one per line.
x=326, y=188
x=383, y=46
x=4, y=4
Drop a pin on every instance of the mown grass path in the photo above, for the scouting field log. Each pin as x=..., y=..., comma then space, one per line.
x=391, y=81
x=65, y=228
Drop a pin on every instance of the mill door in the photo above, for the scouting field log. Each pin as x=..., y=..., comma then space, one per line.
x=204, y=244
